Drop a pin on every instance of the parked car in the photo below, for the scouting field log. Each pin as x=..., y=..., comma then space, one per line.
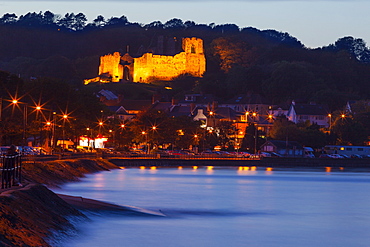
x=4, y=149
x=265, y=154
x=273, y=154
x=243, y=154
x=336, y=156
x=325, y=156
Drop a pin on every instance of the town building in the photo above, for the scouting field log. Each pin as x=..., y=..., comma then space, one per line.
x=313, y=113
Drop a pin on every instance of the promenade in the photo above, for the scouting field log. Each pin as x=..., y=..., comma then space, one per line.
x=127, y=160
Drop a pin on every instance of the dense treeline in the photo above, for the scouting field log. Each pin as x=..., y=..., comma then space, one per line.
x=271, y=63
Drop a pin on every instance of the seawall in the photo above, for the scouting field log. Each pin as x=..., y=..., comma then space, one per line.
x=31, y=214
x=264, y=162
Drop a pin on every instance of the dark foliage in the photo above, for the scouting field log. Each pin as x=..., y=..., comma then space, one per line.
x=239, y=60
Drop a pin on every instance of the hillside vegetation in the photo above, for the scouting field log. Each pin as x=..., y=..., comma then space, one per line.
x=239, y=60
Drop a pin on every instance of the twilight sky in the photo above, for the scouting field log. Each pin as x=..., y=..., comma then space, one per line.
x=314, y=22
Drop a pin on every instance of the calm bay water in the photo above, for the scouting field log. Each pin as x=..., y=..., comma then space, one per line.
x=227, y=207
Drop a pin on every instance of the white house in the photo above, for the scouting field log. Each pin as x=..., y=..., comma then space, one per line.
x=309, y=112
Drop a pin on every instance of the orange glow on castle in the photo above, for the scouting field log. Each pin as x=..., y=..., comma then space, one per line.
x=150, y=67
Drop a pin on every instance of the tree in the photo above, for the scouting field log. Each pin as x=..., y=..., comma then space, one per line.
x=174, y=24
x=79, y=22
x=99, y=21
x=287, y=80
x=8, y=18
x=283, y=129
x=252, y=140
x=49, y=18
x=117, y=21
x=356, y=48
x=349, y=131
x=154, y=25
x=233, y=52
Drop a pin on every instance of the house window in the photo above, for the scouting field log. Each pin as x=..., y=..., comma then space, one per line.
x=269, y=148
x=349, y=149
x=360, y=149
x=303, y=117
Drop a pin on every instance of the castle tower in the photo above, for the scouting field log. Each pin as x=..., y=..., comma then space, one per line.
x=110, y=64
x=195, y=58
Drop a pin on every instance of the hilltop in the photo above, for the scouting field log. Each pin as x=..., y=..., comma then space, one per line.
x=268, y=62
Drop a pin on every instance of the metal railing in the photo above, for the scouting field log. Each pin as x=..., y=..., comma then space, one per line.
x=11, y=166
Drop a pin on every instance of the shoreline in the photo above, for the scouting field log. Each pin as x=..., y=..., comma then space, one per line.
x=32, y=214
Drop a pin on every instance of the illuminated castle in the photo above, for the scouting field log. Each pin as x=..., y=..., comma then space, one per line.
x=149, y=67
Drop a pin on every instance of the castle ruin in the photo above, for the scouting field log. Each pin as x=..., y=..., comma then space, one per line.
x=115, y=67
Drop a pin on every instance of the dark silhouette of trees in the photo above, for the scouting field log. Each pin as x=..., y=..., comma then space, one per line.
x=268, y=62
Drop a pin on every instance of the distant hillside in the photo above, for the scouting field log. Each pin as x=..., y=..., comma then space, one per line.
x=239, y=60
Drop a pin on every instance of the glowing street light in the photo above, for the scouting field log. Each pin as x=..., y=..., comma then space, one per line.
x=330, y=116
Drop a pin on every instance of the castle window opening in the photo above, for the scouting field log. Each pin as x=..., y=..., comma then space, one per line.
x=192, y=49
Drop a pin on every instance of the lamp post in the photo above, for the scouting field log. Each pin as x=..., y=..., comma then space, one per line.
x=254, y=115
x=154, y=128
x=144, y=133
x=196, y=142
x=38, y=118
x=65, y=116
x=15, y=102
x=89, y=139
x=100, y=125
x=53, y=129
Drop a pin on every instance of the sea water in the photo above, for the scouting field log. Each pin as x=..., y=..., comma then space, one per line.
x=211, y=206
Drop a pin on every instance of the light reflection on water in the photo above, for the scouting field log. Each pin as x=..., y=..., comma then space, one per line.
x=228, y=207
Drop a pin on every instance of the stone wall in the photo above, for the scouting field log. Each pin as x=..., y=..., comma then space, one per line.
x=149, y=66
x=110, y=64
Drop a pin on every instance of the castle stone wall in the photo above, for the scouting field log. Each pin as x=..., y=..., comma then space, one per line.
x=148, y=67
x=110, y=64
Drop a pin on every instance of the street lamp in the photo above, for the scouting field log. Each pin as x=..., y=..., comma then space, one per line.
x=255, y=122
x=144, y=133
x=38, y=118
x=65, y=116
x=329, y=115
x=90, y=143
x=15, y=102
